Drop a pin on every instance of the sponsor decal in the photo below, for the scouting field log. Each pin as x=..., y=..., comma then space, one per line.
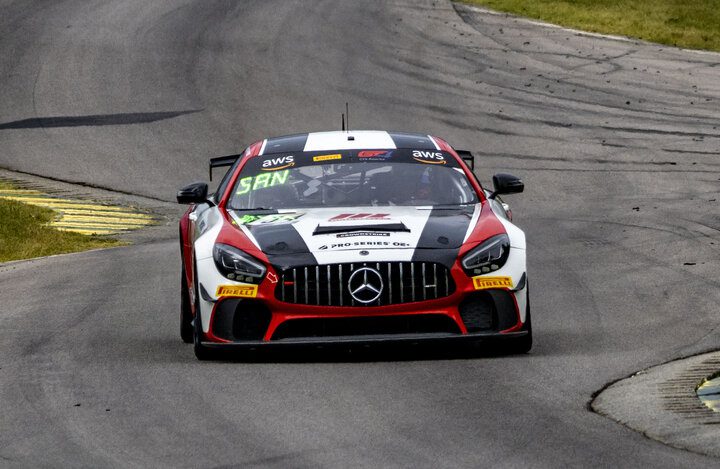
x=237, y=291
x=261, y=181
x=432, y=157
x=336, y=156
x=247, y=219
x=281, y=162
x=254, y=220
x=272, y=277
x=362, y=233
x=359, y=244
x=374, y=154
x=360, y=216
x=484, y=283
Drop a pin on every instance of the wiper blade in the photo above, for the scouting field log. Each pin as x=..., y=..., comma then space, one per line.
x=393, y=227
x=255, y=209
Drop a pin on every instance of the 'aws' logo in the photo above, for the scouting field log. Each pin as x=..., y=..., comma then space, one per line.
x=432, y=157
x=273, y=164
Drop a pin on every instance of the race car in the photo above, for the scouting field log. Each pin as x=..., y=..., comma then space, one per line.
x=351, y=237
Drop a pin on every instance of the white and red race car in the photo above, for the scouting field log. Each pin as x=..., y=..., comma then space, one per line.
x=351, y=237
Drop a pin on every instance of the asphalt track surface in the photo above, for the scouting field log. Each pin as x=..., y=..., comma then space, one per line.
x=617, y=143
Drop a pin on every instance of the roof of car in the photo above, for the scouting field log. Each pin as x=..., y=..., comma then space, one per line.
x=348, y=140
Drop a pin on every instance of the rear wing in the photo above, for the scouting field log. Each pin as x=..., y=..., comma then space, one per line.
x=221, y=161
x=467, y=157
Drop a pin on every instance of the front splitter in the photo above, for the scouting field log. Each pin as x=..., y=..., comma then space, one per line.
x=360, y=340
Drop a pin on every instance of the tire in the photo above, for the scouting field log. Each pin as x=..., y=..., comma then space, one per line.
x=201, y=352
x=186, y=317
x=523, y=344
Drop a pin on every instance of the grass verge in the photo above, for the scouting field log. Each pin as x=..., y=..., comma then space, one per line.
x=24, y=233
x=691, y=24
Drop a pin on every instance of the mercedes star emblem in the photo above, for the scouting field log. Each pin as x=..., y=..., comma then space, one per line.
x=365, y=285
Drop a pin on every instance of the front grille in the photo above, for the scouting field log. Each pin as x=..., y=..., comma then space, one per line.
x=385, y=325
x=327, y=285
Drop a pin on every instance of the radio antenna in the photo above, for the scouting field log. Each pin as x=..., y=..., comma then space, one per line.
x=347, y=115
x=343, y=122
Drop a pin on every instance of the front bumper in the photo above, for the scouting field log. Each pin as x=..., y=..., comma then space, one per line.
x=265, y=320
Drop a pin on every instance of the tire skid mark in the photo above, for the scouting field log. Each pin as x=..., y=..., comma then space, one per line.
x=674, y=231
x=534, y=87
x=561, y=159
x=609, y=170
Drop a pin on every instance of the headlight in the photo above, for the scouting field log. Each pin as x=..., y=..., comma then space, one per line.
x=488, y=256
x=236, y=265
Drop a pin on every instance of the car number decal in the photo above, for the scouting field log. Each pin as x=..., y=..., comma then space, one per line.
x=261, y=181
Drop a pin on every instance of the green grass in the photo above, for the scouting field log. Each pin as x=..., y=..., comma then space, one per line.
x=691, y=24
x=24, y=233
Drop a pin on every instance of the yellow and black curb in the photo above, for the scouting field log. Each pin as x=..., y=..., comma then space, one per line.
x=709, y=392
x=81, y=216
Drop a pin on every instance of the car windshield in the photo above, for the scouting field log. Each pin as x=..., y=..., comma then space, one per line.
x=344, y=179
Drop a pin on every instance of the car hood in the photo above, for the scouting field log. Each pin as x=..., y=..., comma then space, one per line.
x=368, y=234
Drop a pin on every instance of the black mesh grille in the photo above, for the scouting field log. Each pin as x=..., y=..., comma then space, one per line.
x=491, y=310
x=327, y=285
x=335, y=327
x=239, y=319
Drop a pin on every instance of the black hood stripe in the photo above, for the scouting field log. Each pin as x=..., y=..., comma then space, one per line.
x=282, y=244
x=443, y=235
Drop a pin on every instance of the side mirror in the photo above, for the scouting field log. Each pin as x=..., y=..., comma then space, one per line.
x=195, y=193
x=506, y=184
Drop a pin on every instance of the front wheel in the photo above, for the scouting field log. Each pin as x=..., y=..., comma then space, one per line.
x=201, y=352
x=186, y=318
x=523, y=344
